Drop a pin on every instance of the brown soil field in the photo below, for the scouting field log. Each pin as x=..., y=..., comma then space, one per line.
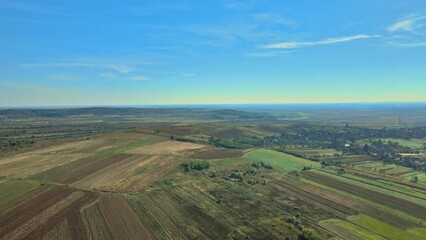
x=71, y=214
x=30, y=208
x=95, y=223
x=101, y=145
x=216, y=153
x=155, y=219
x=120, y=218
x=156, y=169
x=60, y=231
x=337, y=209
x=331, y=196
x=168, y=147
x=78, y=173
x=392, y=202
x=114, y=176
x=37, y=216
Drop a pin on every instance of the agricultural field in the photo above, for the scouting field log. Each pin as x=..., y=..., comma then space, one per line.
x=209, y=179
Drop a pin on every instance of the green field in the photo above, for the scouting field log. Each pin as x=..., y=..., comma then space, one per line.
x=280, y=161
x=383, y=229
x=15, y=190
x=349, y=230
x=411, y=143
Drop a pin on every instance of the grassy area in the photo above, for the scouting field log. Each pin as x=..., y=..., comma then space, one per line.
x=420, y=175
x=390, y=169
x=280, y=161
x=123, y=148
x=11, y=190
x=385, y=229
x=349, y=230
x=313, y=152
x=412, y=143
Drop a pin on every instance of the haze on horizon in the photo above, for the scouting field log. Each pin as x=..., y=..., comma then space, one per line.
x=211, y=52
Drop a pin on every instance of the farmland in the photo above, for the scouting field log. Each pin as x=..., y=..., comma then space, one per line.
x=211, y=174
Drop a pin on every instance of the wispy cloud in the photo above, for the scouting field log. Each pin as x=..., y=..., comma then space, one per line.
x=114, y=77
x=31, y=8
x=273, y=18
x=107, y=75
x=138, y=78
x=61, y=77
x=408, y=24
x=85, y=63
x=269, y=54
x=238, y=4
x=409, y=44
x=285, y=45
x=115, y=67
x=408, y=31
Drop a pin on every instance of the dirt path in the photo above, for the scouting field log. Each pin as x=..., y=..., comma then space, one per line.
x=121, y=220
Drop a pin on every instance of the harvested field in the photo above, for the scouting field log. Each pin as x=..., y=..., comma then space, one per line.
x=383, y=199
x=217, y=153
x=337, y=209
x=155, y=218
x=73, y=216
x=36, y=217
x=150, y=171
x=112, y=176
x=85, y=170
x=30, y=208
x=200, y=223
x=60, y=231
x=30, y=164
x=330, y=195
x=168, y=147
x=120, y=218
x=95, y=223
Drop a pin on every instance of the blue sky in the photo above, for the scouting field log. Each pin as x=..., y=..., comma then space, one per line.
x=57, y=52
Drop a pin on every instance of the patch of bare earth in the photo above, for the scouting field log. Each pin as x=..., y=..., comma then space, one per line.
x=120, y=218
x=168, y=147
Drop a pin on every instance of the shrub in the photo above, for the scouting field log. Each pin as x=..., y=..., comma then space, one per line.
x=308, y=234
x=236, y=175
x=196, y=165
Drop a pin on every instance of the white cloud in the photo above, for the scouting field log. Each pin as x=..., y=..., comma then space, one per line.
x=408, y=24
x=284, y=45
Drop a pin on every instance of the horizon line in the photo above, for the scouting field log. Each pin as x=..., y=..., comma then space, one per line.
x=200, y=104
